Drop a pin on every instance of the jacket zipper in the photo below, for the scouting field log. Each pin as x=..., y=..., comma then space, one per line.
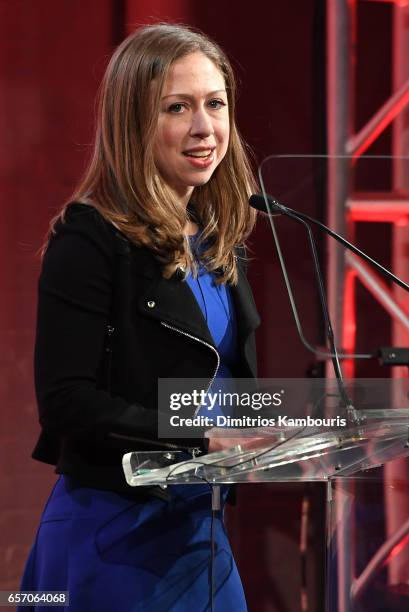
x=196, y=450
x=201, y=342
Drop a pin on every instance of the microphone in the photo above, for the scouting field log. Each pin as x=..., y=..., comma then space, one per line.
x=270, y=205
x=258, y=201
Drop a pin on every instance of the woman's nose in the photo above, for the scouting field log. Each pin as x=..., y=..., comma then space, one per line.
x=202, y=125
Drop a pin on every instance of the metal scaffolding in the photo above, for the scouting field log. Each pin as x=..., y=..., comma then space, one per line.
x=347, y=207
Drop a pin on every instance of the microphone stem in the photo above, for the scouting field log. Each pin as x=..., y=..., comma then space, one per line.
x=347, y=403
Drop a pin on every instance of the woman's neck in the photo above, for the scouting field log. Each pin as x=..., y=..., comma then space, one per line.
x=191, y=228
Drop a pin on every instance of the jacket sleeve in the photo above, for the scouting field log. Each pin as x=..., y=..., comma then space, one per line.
x=75, y=289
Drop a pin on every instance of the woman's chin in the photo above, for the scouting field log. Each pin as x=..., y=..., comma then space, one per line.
x=201, y=178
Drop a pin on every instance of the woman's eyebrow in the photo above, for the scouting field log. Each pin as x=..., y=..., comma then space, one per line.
x=190, y=97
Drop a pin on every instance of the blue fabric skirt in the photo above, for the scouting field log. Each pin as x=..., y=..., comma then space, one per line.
x=115, y=554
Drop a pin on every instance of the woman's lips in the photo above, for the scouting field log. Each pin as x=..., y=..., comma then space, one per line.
x=200, y=158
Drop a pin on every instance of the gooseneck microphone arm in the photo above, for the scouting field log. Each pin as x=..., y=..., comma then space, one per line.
x=346, y=401
x=258, y=202
x=328, y=326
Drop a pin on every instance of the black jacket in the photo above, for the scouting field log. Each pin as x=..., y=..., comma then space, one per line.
x=109, y=325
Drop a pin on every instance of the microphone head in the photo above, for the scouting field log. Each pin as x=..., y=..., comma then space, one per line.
x=258, y=202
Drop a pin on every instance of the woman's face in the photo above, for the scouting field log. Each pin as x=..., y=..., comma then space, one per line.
x=193, y=125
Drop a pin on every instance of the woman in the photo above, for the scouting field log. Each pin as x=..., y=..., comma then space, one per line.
x=142, y=278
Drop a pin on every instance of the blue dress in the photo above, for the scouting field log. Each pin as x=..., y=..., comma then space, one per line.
x=113, y=553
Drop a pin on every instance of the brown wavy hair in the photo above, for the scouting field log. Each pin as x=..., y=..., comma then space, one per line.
x=122, y=181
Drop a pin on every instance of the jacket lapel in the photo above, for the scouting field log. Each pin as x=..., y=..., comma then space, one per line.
x=172, y=301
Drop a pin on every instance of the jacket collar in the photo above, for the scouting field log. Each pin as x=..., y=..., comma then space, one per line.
x=171, y=300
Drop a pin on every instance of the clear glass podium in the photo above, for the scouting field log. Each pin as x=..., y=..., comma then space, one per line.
x=349, y=460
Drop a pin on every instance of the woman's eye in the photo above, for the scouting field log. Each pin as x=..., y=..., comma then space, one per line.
x=176, y=108
x=216, y=104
